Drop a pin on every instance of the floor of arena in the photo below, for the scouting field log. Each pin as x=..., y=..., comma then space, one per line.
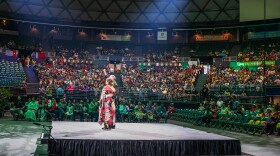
x=20, y=137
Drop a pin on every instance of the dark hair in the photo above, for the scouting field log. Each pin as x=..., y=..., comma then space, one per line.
x=110, y=81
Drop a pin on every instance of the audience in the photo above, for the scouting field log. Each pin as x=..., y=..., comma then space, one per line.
x=168, y=84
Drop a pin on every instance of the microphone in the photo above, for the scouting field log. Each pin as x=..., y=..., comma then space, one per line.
x=38, y=124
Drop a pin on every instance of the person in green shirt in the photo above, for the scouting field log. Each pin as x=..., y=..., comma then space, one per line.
x=139, y=113
x=78, y=111
x=69, y=110
x=31, y=110
x=123, y=110
x=161, y=111
x=224, y=109
x=93, y=110
x=61, y=109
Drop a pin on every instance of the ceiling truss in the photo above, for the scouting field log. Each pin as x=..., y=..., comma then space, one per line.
x=126, y=11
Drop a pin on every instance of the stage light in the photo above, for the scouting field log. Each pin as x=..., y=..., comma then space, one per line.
x=175, y=34
x=4, y=22
x=149, y=34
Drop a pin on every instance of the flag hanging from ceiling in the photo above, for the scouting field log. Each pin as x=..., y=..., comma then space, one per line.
x=12, y=53
x=39, y=55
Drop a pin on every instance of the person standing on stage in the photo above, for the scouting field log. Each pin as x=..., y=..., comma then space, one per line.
x=106, y=113
x=115, y=97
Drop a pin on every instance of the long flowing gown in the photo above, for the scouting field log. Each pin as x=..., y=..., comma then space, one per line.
x=106, y=113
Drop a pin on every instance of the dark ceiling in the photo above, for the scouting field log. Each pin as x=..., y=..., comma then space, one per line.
x=124, y=11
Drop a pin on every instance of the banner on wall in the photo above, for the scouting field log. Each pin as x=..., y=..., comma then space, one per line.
x=211, y=37
x=115, y=37
x=253, y=63
x=269, y=34
x=162, y=35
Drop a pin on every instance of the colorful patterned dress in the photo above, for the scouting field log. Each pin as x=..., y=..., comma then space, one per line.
x=106, y=114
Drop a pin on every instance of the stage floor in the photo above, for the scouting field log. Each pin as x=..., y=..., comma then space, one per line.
x=130, y=131
x=138, y=139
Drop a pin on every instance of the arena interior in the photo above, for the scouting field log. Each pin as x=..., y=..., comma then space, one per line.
x=207, y=65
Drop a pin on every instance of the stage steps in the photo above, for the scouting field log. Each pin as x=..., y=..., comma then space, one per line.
x=32, y=81
x=235, y=50
x=119, y=80
x=201, y=80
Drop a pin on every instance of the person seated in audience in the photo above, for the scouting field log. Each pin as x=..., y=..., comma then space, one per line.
x=93, y=110
x=78, y=111
x=219, y=103
x=170, y=110
x=272, y=122
x=224, y=109
x=139, y=112
x=32, y=109
x=124, y=111
x=17, y=112
x=161, y=113
x=229, y=111
x=239, y=111
x=61, y=108
x=53, y=113
x=201, y=107
x=261, y=113
x=85, y=110
x=42, y=111
x=69, y=111
x=59, y=91
x=254, y=108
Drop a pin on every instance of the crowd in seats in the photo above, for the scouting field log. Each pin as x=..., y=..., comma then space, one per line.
x=228, y=76
x=24, y=44
x=168, y=83
x=49, y=109
x=272, y=76
x=257, y=55
x=258, y=119
x=257, y=50
x=12, y=74
x=153, y=55
x=116, y=51
x=74, y=53
x=244, y=77
x=70, y=76
x=210, y=49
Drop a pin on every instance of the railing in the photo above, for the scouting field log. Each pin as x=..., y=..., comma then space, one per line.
x=100, y=57
x=244, y=99
x=221, y=59
x=127, y=94
x=127, y=58
x=138, y=58
x=16, y=91
x=237, y=88
x=6, y=81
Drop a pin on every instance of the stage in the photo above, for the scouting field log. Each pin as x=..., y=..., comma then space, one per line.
x=149, y=139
